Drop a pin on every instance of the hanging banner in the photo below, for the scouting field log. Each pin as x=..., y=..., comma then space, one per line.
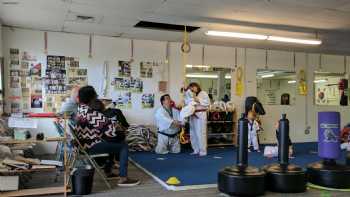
x=239, y=81
x=302, y=83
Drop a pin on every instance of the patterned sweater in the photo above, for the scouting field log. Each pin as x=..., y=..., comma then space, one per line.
x=92, y=126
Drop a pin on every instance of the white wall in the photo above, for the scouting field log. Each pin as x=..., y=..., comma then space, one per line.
x=301, y=115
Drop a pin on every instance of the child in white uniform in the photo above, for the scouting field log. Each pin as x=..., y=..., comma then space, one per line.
x=253, y=129
x=253, y=108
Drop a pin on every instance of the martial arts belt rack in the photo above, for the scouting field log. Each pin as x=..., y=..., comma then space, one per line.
x=65, y=189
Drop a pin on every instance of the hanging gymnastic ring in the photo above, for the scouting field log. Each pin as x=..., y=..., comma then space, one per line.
x=185, y=47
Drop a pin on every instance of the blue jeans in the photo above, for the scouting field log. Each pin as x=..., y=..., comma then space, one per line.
x=114, y=150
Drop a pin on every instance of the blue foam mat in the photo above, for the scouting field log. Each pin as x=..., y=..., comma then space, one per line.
x=195, y=171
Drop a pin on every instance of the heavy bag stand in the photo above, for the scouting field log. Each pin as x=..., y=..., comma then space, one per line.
x=328, y=173
x=284, y=177
x=242, y=180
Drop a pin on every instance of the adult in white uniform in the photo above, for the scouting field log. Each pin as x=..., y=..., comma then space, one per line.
x=167, y=120
x=198, y=121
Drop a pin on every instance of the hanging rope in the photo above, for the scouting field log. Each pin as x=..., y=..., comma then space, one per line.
x=185, y=49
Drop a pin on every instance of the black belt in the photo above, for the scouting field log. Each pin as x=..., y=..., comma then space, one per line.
x=169, y=135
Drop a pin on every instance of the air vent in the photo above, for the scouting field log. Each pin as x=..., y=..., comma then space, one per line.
x=10, y=3
x=164, y=26
x=81, y=17
x=84, y=18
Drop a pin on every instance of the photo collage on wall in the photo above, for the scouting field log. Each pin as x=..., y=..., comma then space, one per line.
x=25, y=81
x=66, y=76
x=125, y=84
x=128, y=84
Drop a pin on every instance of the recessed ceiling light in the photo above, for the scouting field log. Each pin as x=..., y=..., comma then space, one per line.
x=267, y=76
x=237, y=35
x=264, y=37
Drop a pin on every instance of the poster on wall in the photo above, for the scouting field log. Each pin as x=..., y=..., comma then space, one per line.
x=26, y=56
x=55, y=75
x=72, y=62
x=15, y=106
x=270, y=97
x=36, y=101
x=14, y=58
x=123, y=100
x=124, y=69
x=15, y=82
x=146, y=69
x=77, y=76
x=53, y=103
x=35, y=69
x=128, y=84
x=147, y=101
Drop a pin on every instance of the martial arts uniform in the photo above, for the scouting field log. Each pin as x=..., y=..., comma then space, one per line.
x=198, y=125
x=168, y=139
x=253, y=128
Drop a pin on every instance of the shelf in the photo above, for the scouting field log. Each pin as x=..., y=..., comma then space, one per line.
x=220, y=121
x=211, y=134
x=36, y=192
x=223, y=144
x=30, y=141
x=13, y=172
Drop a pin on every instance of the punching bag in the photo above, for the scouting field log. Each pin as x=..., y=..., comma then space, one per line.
x=328, y=135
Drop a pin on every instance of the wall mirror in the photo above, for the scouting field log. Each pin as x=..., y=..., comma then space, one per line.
x=1, y=85
x=330, y=89
x=276, y=87
x=216, y=81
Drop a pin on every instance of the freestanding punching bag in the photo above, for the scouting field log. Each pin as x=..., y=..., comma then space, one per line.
x=284, y=177
x=241, y=179
x=328, y=173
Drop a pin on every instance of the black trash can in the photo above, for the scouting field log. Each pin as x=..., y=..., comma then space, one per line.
x=82, y=180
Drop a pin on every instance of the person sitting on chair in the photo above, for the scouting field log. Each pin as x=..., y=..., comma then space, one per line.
x=93, y=128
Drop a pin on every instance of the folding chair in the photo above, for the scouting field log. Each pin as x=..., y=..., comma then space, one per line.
x=80, y=152
x=77, y=152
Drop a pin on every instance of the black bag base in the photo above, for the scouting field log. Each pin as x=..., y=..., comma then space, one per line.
x=329, y=175
x=238, y=181
x=289, y=179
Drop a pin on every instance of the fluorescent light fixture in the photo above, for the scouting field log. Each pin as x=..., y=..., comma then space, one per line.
x=227, y=76
x=320, y=81
x=267, y=76
x=292, y=81
x=201, y=76
x=294, y=40
x=263, y=37
x=237, y=35
x=197, y=66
